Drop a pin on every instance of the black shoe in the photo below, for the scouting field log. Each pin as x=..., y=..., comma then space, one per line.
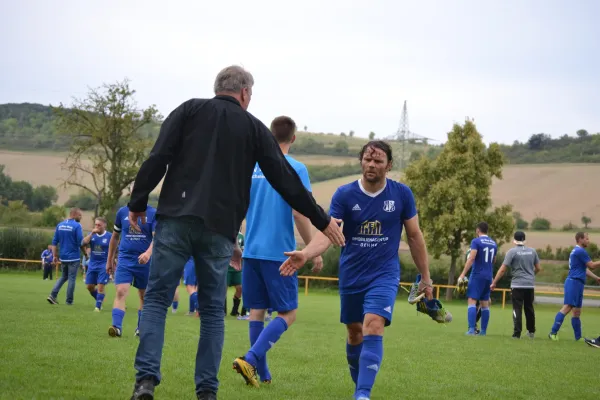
x=51, y=300
x=515, y=336
x=143, y=390
x=206, y=395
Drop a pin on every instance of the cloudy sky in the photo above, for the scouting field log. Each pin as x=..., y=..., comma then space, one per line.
x=517, y=67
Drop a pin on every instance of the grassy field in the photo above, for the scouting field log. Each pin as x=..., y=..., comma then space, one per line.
x=65, y=352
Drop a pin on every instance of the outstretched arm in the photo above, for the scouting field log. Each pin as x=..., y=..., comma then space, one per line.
x=499, y=276
x=418, y=249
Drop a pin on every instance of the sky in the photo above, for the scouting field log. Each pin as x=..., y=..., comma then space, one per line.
x=516, y=67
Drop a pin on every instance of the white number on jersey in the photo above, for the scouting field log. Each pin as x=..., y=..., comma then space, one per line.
x=489, y=252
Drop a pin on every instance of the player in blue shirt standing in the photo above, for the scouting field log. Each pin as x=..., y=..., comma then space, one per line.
x=96, y=277
x=68, y=236
x=133, y=268
x=47, y=261
x=482, y=257
x=270, y=233
x=580, y=266
x=374, y=210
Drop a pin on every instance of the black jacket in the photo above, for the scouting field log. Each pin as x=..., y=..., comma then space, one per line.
x=211, y=147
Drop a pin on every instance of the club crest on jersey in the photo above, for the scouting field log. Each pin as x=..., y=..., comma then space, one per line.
x=388, y=206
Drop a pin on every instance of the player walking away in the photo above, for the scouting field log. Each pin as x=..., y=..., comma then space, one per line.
x=175, y=303
x=525, y=264
x=68, y=235
x=234, y=278
x=482, y=258
x=135, y=250
x=47, y=260
x=191, y=285
x=270, y=233
x=374, y=211
x=580, y=266
x=96, y=277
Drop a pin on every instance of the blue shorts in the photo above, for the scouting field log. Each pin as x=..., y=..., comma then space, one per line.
x=136, y=276
x=264, y=287
x=96, y=277
x=378, y=300
x=189, y=275
x=573, y=293
x=479, y=288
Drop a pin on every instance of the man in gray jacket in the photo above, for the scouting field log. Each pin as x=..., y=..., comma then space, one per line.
x=525, y=264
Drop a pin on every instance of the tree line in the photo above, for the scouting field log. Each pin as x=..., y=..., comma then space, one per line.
x=34, y=126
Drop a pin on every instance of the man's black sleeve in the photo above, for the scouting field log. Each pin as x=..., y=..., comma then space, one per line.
x=155, y=167
x=285, y=180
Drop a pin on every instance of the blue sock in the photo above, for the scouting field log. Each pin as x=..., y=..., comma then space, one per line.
x=175, y=305
x=369, y=364
x=117, y=317
x=99, y=300
x=94, y=294
x=471, y=316
x=485, y=318
x=270, y=334
x=256, y=328
x=558, y=320
x=353, y=355
x=139, y=317
x=193, y=302
x=576, y=323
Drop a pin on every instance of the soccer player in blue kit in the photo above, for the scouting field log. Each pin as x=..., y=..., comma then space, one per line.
x=191, y=284
x=373, y=210
x=269, y=234
x=580, y=266
x=96, y=277
x=482, y=258
x=133, y=268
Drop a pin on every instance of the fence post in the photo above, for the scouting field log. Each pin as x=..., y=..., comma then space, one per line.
x=306, y=286
x=437, y=292
x=503, y=298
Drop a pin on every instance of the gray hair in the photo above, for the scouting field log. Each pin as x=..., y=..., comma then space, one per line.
x=233, y=79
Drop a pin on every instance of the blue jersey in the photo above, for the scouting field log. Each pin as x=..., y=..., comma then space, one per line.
x=133, y=243
x=47, y=256
x=68, y=236
x=269, y=220
x=99, y=251
x=483, y=266
x=577, y=263
x=372, y=228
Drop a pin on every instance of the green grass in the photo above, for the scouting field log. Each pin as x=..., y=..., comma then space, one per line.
x=52, y=352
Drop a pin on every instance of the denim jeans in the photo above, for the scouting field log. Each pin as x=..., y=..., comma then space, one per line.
x=69, y=273
x=175, y=240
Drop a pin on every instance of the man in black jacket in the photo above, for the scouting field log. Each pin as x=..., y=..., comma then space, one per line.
x=210, y=147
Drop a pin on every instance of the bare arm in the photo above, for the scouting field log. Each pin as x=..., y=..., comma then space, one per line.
x=317, y=246
x=304, y=226
x=499, y=275
x=86, y=239
x=418, y=249
x=592, y=264
x=54, y=254
x=590, y=274
x=112, y=248
x=469, y=262
x=536, y=268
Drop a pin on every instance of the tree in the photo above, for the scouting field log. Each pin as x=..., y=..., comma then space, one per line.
x=43, y=196
x=453, y=194
x=108, y=144
x=305, y=128
x=351, y=133
x=582, y=133
x=585, y=220
x=371, y=135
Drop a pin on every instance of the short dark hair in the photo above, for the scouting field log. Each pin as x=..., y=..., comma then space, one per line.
x=377, y=144
x=483, y=227
x=519, y=236
x=283, y=128
x=102, y=219
x=579, y=236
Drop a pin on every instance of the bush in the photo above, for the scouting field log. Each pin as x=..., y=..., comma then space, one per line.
x=23, y=244
x=319, y=173
x=15, y=213
x=521, y=224
x=569, y=227
x=52, y=215
x=540, y=224
x=84, y=200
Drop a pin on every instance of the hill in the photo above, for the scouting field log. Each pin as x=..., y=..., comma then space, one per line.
x=29, y=127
